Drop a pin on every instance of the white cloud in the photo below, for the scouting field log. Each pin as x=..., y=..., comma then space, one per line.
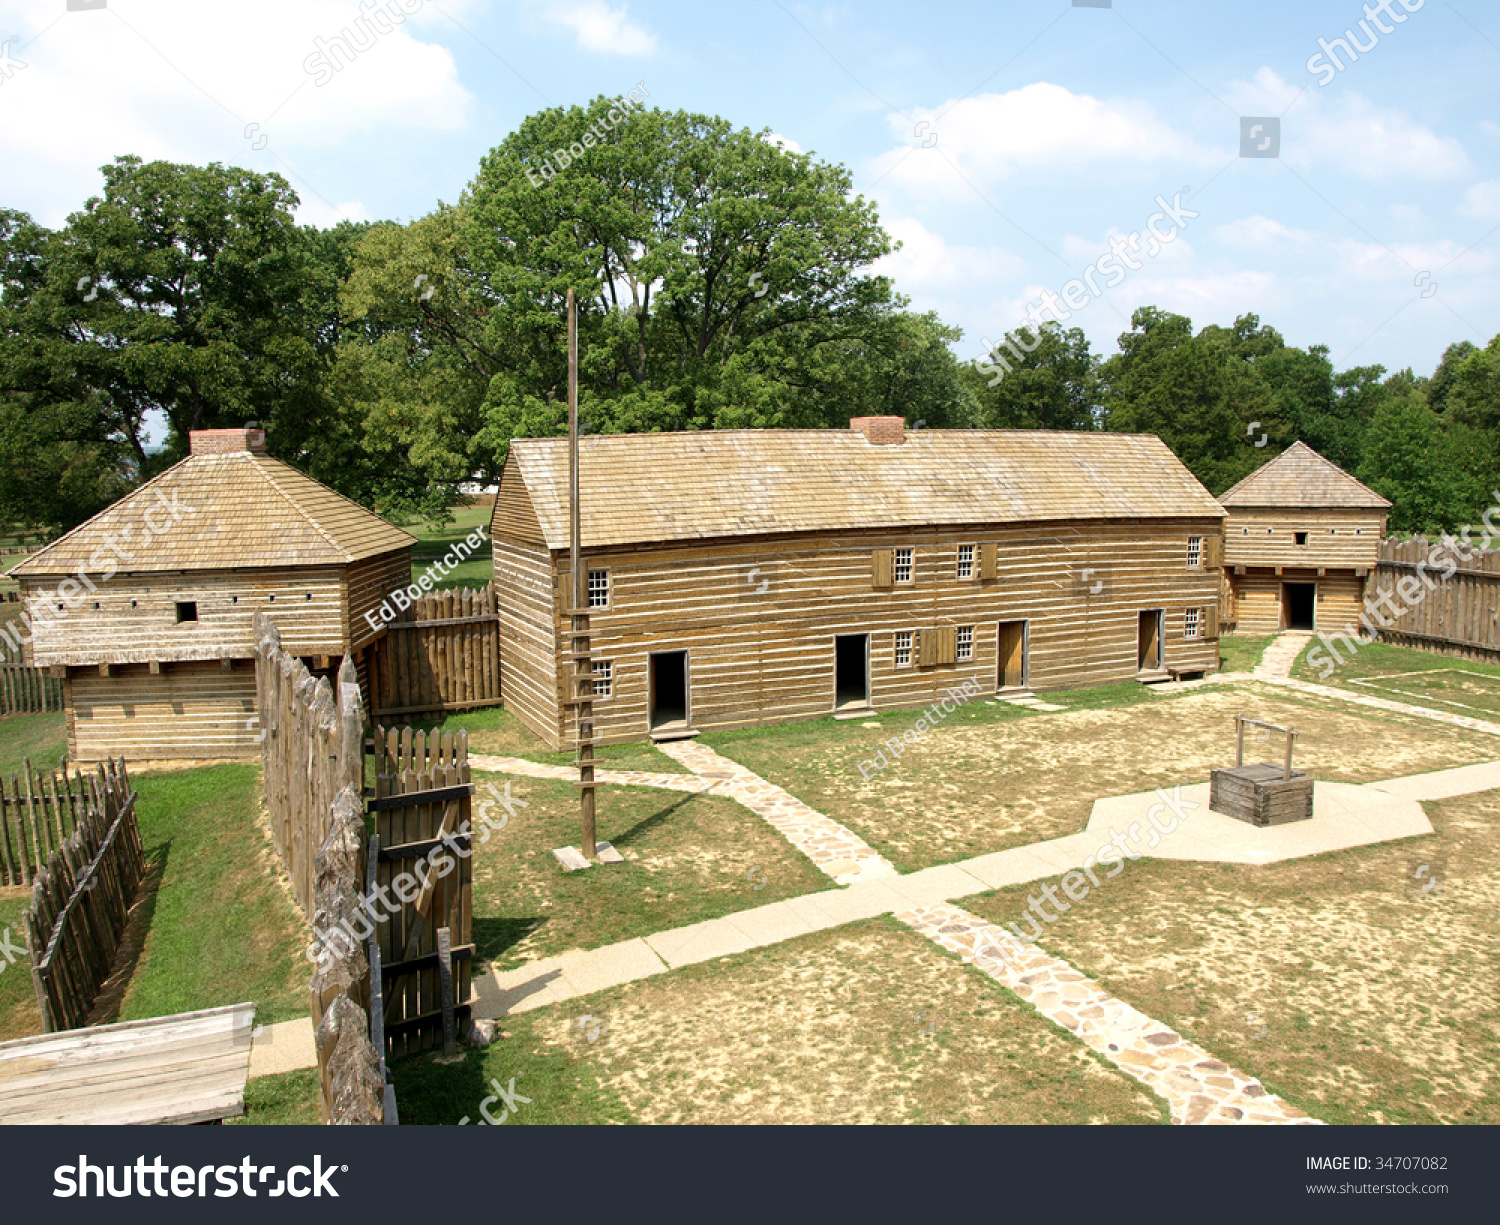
x=600, y=28
x=1482, y=201
x=1038, y=125
x=1349, y=132
x=1258, y=231
x=928, y=263
x=184, y=80
x=312, y=211
x=786, y=142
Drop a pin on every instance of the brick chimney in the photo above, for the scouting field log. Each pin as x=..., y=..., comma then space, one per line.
x=228, y=442
x=880, y=431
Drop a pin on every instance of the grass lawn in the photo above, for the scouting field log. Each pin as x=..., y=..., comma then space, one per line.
x=1241, y=652
x=291, y=1098
x=1337, y=980
x=821, y=1029
x=988, y=778
x=42, y=738
x=688, y=858
x=434, y=542
x=1422, y=678
x=495, y=730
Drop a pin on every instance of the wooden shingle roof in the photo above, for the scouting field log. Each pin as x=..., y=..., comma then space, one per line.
x=705, y=484
x=1300, y=477
x=240, y=510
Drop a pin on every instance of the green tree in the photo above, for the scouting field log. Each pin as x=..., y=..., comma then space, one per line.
x=1411, y=460
x=1043, y=380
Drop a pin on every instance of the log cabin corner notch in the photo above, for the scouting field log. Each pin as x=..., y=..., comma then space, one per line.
x=755, y=576
x=147, y=608
x=1300, y=543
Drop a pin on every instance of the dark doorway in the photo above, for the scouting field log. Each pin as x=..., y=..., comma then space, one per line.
x=1298, y=601
x=1010, y=640
x=669, y=691
x=851, y=670
x=1149, y=641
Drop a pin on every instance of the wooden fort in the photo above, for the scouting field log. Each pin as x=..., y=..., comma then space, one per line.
x=1300, y=543
x=145, y=611
x=1261, y=793
x=742, y=577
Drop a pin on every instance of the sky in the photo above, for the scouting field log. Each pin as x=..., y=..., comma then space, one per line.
x=1351, y=200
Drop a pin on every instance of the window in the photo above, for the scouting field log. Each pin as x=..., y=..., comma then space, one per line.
x=965, y=561
x=1190, y=623
x=965, y=642
x=604, y=675
x=903, y=648
x=187, y=610
x=598, y=588
x=1195, y=550
x=1299, y=537
x=903, y=565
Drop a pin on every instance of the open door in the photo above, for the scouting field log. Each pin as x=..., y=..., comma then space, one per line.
x=1011, y=652
x=1149, y=641
x=851, y=671
x=667, y=702
x=1299, y=602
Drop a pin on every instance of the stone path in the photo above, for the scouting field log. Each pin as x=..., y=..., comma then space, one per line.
x=1197, y=1087
x=621, y=778
x=1374, y=703
x=1279, y=657
x=834, y=850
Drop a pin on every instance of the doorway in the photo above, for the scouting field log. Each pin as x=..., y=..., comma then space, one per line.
x=851, y=670
x=1148, y=640
x=1299, y=602
x=667, y=702
x=1010, y=641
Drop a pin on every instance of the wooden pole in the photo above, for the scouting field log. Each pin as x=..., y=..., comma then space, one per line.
x=582, y=677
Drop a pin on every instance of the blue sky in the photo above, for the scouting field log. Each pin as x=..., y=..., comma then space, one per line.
x=1004, y=144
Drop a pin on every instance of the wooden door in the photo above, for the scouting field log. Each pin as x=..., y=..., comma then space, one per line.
x=1150, y=641
x=1011, y=642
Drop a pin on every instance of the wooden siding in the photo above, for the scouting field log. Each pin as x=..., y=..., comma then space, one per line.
x=514, y=517
x=368, y=584
x=759, y=617
x=136, y=620
x=1347, y=538
x=524, y=594
x=188, y=710
x=1257, y=600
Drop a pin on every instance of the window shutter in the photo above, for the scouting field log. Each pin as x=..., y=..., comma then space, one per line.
x=988, y=561
x=884, y=569
x=926, y=648
x=1214, y=555
x=1211, y=622
x=947, y=645
x=564, y=593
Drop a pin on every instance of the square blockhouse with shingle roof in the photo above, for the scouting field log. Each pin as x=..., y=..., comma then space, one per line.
x=146, y=609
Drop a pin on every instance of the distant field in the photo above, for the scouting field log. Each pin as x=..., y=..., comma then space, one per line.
x=432, y=543
x=1403, y=674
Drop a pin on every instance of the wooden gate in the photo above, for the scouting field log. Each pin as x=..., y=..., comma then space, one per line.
x=422, y=809
x=442, y=653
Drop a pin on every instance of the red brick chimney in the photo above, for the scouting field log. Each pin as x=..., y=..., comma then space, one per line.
x=880, y=431
x=228, y=442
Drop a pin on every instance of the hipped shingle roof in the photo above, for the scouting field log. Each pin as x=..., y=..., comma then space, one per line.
x=1300, y=477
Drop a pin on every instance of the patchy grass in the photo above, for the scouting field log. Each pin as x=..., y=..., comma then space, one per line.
x=222, y=926
x=1336, y=979
x=1241, y=652
x=19, y=1015
x=433, y=541
x=1004, y=780
x=290, y=1098
x=1422, y=678
x=821, y=1029
x=688, y=858
x=497, y=731
x=42, y=738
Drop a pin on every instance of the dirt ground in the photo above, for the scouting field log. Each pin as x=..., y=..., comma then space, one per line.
x=866, y=1024
x=965, y=790
x=1360, y=985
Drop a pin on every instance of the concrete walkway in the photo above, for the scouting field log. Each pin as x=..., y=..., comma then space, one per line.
x=1278, y=658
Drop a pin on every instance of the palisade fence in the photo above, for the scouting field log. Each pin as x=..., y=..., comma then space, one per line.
x=312, y=750
x=81, y=900
x=39, y=810
x=1458, y=615
x=441, y=653
x=25, y=690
